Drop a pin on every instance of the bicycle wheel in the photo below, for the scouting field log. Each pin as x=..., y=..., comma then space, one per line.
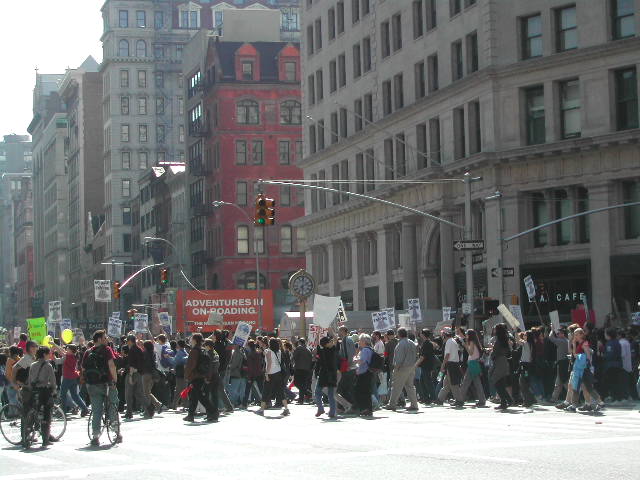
x=10, y=424
x=112, y=426
x=58, y=423
x=90, y=428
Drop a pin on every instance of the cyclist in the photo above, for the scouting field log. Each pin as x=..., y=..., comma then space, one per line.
x=42, y=384
x=21, y=368
x=99, y=373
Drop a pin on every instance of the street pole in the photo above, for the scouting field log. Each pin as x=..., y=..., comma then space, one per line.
x=468, y=257
x=116, y=304
x=257, y=255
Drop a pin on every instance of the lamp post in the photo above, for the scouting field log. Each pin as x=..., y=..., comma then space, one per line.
x=220, y=203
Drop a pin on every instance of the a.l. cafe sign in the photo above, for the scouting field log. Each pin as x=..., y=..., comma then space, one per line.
x=573, y=297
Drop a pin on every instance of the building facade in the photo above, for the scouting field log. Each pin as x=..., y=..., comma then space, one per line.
x=25, y=306
x=538, y=98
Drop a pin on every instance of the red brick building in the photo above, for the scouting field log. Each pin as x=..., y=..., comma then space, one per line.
x=244, y=122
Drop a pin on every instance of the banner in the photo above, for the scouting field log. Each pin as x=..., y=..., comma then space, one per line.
x=512, y=321
x=164, y=319
x=381, y=321
x=391, y=313
x=325, y=310
x=114, y=327
x=243, y=330
x=446, y=314
x=102, y=290
x=55, y=312
x=517, y=312
x=141, y=323
x=315, y=333
x=414, y=310
x=37, y=329
x=65, y=324
x=115, y=315
x=193, y=308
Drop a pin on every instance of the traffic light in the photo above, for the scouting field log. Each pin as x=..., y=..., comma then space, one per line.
x=116, y=290
x=164, y=276
x=265, y=211
x=132, y=313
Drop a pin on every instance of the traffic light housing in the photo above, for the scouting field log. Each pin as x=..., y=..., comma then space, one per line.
x=265, y=212
x=164, y=276
x=131, y=313
x=116, y=290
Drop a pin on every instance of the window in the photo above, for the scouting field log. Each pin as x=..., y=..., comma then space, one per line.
x=257, y=152
x=432, y=64
x=370, y=171
x=457, y=71
x=563, y=208
x=141, y=48
x=241, y=152
x=319, y=85
x=126, y=188
x=419, y=80
x=285, y=195
x=334, y=127
x=318, y=32
x=242, y=237
x=355, y=11
x=335, y=175
x=126, y=160
x=143, y=160
x=435, y=155
x=455, y=7
x=126, y=215
x=258, y=242
x=241, y=193
x=320, y=135
x=626, y=92
x=124, y=133
x=158, y=51
x=142, y=133
x=190, y=19
x=123, y=18
x=570, y=109
x=247, y=112
x=160, y=133
x=331, y=16
x=342, y=70
x=389, y=171
x=357, y=68
x=290, y=113
x=385, y=40
x=312, y=139
x=159, y=79
x=421, y=145
x=123, y=48
x=290, y=22
x=247, y=70
x=322, y=195
x=398, y=91
x=179, y=51
x=311, y=87
x=472, y=52
x=566, y=29
x=284, y=153
x=181, y=134
x=531, y=37
x=459, y=137
x=299, y=154
x=540, y=216
x=401, y=163
x=535, y=123
x=343, y=122
x=418, y=21
x=159, y=105
x=161, y=158
x=301, y=240
x=475, y=131
x=357, y=117
x=366, y=54
x=630, y=194
x=340, y=16
x=365, y=7
x=582, y=205
x=431, y=14
x=126, y=242
x=333, y=76
x=124, y=78
x=290, y=71
x=386, y=97
x=397, y=31
x=124, y=105
x=368, y=108
x=623, y=21
x=158, y=20
x=141, y=19
x=310, y=40
x=142, y=78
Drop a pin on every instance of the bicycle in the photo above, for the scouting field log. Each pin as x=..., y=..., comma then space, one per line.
x=11, y=419
x=112, y=427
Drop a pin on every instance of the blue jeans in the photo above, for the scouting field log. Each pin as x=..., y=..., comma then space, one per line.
x=98, y=395
x=236, y=390
x=12, y=395
x=71, y=385
x=332, y=398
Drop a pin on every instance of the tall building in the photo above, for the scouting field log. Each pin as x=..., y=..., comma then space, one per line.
x=539, y=98
x=143, y=97
x=15, y=162
x=25, y=306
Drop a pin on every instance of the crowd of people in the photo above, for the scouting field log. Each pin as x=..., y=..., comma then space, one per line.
x=354, y=373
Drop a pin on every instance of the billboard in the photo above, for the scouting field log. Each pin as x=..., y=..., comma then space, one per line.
x=194, y=308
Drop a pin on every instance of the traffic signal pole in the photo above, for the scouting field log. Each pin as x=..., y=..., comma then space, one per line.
x=468, y=257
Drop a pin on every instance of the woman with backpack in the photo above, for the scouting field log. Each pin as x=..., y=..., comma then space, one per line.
x=274, y=378
x=196, y=371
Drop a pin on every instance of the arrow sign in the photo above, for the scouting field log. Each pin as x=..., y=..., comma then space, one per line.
x=506, y=272
x=468, y=245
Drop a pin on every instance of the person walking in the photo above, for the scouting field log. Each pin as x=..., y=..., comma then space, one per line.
x=327, y=373
x=404, y=372
x=222, y=347
x=149, y=375
x=451, y=369
x=473, y=375
x=364, y=376
x=196, y=371
x=499, y=372
x=561, y=342
x=302, y=363
x=212, y=379
x=255, y=374
x=426, y=363
x=133, y=392
x=180, y=361
x=347, y=366
x=12, y=387
x=274, y=378
x=69, y=384
x=237, y=375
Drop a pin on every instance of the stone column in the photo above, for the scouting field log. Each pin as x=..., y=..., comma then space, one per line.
x=493, y=246
x=334, y=269
x=357, y=272
x=511, y=251
x=409, y=255
x=447, y=281
x=385, y=279
x=600, y=231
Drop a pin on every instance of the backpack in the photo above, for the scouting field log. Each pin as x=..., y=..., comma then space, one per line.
x=377, y=362
x=95, y=367
x=167, y=362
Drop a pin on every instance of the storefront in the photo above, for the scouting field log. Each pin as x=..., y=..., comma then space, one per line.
x=625, y=271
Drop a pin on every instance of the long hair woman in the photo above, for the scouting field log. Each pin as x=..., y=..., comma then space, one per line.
x=581, y=376
x=473, y=375
x=527, y=367
x=274, y=377
x=499, y=373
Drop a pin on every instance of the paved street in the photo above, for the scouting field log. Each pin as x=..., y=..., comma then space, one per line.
x=434, y=443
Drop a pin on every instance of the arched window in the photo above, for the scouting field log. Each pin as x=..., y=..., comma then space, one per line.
x=248, y=112
x=141, y=48
x=247, y=281
x=290, y=113
x=123, y=48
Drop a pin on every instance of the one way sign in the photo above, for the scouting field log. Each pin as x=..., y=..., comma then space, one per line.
x=468, y=245
x=506, y=272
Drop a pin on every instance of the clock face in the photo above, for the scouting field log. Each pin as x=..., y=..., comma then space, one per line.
x=302, y=286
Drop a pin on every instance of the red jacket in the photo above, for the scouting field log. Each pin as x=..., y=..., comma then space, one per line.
x=70, y=367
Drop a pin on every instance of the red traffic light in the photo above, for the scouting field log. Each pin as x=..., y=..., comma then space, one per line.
x=116, y=289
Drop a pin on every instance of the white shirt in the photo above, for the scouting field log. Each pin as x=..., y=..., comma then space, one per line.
x=379, y=347
x=275, y=361
x=451, y=348
x=625, y=348
x=157, y=350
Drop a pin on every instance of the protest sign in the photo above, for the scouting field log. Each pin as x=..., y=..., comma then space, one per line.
x=342, y=315
x=381, y=321
x=141, y=323
x=554, y=316
x=391, y=313
x=37, y=329
x=65, y=324
x=102, y=290
x=325, y=310
x=55, y=312
x=315, y=333
x=446, y=314
x=512, y=321
x=243, y=330
x=414, y=310
x=114, y=327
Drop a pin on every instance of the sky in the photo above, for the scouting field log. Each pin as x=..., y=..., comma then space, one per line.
x=49, y=34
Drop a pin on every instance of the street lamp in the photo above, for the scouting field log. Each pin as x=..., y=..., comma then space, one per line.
x=219, y=204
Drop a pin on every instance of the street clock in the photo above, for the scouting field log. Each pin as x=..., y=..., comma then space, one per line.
x=302, y=284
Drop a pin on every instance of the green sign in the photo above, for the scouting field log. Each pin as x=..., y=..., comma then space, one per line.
x=37, y=328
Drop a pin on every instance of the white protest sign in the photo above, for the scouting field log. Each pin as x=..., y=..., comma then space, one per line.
x=488, y=326
x=114, y=327
x=16, y=332
x=446, y=314
x=381, y=321
x=404, y=321
x=391, y=314
x=55, y=312
x=554, y=316
x=325, y=310
x=635, y=318
x=141, y=323
x=466, y=308
x=243, y=330
x=531, y=288
x=414, y=310
x=115, y=315
x=65, y=324
x=102, y=290
x=517, y=312
x=315, y=333
x=164, y=319
x=342, y=315
x=508, y=316
x=78, y=336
